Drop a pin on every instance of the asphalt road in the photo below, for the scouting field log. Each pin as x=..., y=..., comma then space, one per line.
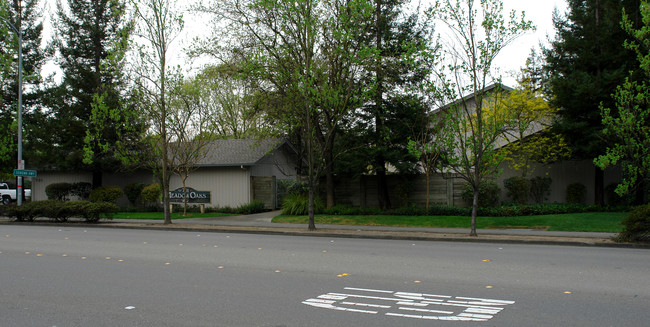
x=71, y=276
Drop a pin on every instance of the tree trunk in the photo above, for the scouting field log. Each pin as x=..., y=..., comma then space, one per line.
x=97, y=178
x=312, y=224
x=382, y=183
x=599, y=187
x=329, y=177
x=472, y=231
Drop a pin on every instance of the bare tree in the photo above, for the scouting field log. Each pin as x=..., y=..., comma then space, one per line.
x=478, y=32
x=159, y=22
x=188, y=124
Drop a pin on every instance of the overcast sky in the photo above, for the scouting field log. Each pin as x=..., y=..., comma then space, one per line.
x=508, y=62
x=541, y=13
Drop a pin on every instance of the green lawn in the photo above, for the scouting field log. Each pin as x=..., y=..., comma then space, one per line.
x=575, y=222
x=159, y=215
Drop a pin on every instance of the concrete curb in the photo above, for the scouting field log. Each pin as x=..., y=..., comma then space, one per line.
x=358, y=234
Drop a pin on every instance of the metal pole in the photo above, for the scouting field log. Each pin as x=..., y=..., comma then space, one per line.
x=20, y=190
x=20, y=193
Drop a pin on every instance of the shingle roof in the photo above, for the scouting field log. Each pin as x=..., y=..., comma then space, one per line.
x=244, y=152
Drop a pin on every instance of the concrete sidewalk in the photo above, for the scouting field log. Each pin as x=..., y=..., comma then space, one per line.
x=261, y=223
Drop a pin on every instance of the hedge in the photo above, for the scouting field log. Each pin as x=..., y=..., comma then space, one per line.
x=106, y=194
x=62, y=211
x=501, y=211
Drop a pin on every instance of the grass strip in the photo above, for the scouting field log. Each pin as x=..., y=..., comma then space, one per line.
x=609, y=222
x=174, y=215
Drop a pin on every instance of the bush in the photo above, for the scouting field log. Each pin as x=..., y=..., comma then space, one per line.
x=92, y=211
x=341, y=209
x=488, y=194
x=106, y=194
x=411, y=210
x=247, y=209
x=81, y=190
x=298, y=205
x=637, y=225
x=151, y=193
x=449, y=211
x=58, y=191
x=133, y=192
x=518, y=188
x=540, y=188
x=61, y=211
x=575, y=193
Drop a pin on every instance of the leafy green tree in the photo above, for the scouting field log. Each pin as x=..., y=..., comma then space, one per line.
x=470, y=131
x=88, y=33
x=306, y=55
x=401, y=38
x=231, y=102
x=27, y=17
x=530, y=118
x=628, y=125
x=586, y=62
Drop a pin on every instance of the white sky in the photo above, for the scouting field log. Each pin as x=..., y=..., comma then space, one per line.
x=508, y=62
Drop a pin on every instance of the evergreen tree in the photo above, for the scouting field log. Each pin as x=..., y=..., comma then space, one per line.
x=400, y=38
x=90, y=40
x=26, y=17
x=586, y=62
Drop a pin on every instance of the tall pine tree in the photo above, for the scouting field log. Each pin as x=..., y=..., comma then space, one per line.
x=586, y=62
x=90, y=34
x=399, y=37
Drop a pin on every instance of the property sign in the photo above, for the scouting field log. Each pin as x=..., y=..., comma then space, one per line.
x=193, y=196
x=24, y=173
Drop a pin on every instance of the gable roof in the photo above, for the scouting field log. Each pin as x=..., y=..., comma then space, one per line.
x=470, y=97
x=241, y=152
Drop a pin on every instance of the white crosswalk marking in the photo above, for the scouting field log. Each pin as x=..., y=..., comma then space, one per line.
x=410, y=305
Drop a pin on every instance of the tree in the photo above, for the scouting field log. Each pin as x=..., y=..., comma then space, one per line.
x=628, y=125
x=26, y=17
x=401, y=40
x=306, y=56
x=425, y=146
x=87, y=34
x=470, y=133
x=530, y=118
x=586, y=62
x=231, y=102
x=159, y=23
x=189, y=125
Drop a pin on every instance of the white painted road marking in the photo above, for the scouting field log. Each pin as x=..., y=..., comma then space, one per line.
x=411, y=305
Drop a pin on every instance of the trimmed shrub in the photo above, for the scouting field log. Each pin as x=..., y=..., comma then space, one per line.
x=637, y=225
x=488, y=194
x=449, y=211
x=540, y=188
x=253, y=207
x=133, y=192
x=93, y=211
x=411, y=210
x=81, y=190
x=58, y=191
x=575, y=193
x=342, y=209
x=518, y=188
x=106, y=194
x=298, y=205
x=61, y=211
x=151, y=193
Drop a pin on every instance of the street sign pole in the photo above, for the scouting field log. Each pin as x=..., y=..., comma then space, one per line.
x=20, y=192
